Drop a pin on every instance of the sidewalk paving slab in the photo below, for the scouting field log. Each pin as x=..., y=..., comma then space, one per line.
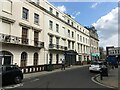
x=111, y=80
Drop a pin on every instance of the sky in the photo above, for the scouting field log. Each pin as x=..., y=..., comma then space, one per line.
x=102, y=15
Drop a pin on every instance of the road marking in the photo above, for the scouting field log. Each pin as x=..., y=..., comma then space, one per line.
x=14, y=86
x=35, y=80
x=97, y=82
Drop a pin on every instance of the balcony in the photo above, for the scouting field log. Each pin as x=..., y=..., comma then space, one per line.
x=57, y=47
x=38, y=44
x=20, y=41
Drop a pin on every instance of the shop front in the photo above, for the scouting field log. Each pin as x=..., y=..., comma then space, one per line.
x=95, y=56
x=70, y=57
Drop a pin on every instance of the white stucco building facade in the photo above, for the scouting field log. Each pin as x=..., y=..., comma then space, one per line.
x=37, y=33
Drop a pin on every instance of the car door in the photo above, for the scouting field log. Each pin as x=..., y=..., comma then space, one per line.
x=8, y=74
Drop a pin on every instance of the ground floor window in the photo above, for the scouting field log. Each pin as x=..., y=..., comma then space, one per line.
x=6, y=58
x=35, y=59
x=23, y=59
x=80, y=57
x=57, y=58
x=50, y=58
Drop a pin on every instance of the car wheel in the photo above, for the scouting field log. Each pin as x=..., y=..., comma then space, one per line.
x=90, y=70
x=17, y=79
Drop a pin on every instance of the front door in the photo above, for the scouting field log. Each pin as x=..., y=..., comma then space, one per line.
x=7, y=60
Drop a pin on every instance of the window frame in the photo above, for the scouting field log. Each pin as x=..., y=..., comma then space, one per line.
x=25, y=13
x=36, y=18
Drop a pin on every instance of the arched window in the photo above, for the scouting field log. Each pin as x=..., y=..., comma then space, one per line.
x=23, y=59
x=35, y=59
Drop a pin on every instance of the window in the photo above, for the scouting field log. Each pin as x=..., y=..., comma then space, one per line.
x=84, y=48
x=57, y=14
x=72, y=45
x=57, y=58
x=72, y=34
x=72, y=23
x=68, y=44
x=23, y=59
x=118, y=51
x=57, y=41
x=78, y=47
x=36, y=18
x=68, y=21
x=51, y=10
x=68, y=33
x=81, y=38
x=36, y=36
x=24, y=35
x=86, y=40
x=57, y=28
x=50, y=39
x=50, y=58
x=35, y=59
x=25, y=13
x=78, y=37
x=50, y=25
x=81, y=48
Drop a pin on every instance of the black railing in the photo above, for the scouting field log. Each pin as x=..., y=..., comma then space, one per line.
x=58, y=47
x=38, y=68
x=19, y=40
x=38, y=44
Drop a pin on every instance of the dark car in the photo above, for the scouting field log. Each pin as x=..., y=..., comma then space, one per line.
x=11, y=74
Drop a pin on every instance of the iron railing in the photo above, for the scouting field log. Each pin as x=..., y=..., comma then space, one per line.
x=19, y=40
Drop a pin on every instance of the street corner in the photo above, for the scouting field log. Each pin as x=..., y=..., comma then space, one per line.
x=105, y=82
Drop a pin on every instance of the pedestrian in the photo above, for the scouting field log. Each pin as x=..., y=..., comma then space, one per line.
x=16, y=64
x=63, y=65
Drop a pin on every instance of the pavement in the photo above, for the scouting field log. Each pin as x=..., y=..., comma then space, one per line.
x=110, y=81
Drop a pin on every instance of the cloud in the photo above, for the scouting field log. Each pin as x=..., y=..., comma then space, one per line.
x=78, y=13
x=107, y=27
x=62, y=8
x=94, y=5
x=74, y=14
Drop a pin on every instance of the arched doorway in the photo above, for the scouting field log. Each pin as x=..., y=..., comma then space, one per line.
x=6, y=58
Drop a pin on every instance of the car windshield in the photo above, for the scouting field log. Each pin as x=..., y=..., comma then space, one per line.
x=96, y=63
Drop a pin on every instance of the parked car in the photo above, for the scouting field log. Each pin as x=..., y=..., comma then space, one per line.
x=11, y=74
x=95, y=66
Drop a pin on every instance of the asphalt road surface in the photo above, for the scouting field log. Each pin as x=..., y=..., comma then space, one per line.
x=74, y=78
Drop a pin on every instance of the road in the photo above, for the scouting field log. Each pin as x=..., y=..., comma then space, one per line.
x=74, y=78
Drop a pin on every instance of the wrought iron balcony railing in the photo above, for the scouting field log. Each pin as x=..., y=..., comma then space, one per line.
x=18, y=40
x=58, y=47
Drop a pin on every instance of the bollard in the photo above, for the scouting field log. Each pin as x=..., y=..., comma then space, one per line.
x=101, y=77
